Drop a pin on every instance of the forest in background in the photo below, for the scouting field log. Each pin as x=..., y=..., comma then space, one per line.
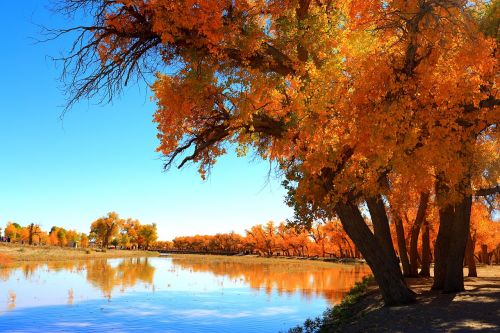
x=414, y=241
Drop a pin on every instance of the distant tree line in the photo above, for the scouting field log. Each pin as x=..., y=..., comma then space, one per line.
x=106, y=231
x=414, y=238
x=323, y=239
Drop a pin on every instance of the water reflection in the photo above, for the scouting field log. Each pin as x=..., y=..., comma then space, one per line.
x=11, y=300
x=330, y=281
x=71, y=296
x=127, y=274
x=180, y=294
x=100, y=273
x=312, y=280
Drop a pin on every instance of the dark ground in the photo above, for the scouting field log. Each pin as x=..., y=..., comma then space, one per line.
x=475, y=310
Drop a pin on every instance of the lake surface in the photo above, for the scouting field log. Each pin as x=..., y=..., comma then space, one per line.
x=173, y=294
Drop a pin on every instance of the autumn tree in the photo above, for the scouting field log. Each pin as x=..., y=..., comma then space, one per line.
x=484, y=236
x=106, y=227
x=30, y=234
x=33, y=231
x=129, y=233
x=147, y=235
x=13, y=231
x=57, y=236
x=344, y=96
x=73, y=238
x=263, y=238
x=84, y=240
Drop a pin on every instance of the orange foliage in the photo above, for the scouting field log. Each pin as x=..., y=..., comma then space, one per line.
x=484, y=231
x=323, y=240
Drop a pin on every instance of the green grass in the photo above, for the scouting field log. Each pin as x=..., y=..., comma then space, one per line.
x=334, y=317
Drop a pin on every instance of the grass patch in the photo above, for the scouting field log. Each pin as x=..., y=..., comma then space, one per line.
x=334, y=317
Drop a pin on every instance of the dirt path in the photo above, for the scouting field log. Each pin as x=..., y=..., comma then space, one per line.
x=475, y=310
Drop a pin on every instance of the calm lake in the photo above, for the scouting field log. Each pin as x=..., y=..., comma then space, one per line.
x=170, y=294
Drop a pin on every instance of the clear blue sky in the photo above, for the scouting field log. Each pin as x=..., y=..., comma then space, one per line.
x=102, y=158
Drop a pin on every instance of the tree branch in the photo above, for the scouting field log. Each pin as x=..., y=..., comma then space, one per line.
x=487, y=191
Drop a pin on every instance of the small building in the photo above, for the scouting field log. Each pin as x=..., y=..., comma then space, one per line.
x=73, y=244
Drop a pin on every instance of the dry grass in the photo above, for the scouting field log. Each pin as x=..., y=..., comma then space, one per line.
x=19, y=253
x=254, y=259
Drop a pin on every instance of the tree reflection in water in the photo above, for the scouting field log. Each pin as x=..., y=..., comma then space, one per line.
x=310, y=279
x=99, y=273
x=127, y=274
x=332, y=281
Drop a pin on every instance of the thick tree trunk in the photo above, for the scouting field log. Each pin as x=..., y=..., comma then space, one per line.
x=403, y=255
x=454, y=280
x=425, y=271
x=383, y=266
x=381, y=226
x=469, y=257
x=442, y=245
x=415, y=231
x=451, y=240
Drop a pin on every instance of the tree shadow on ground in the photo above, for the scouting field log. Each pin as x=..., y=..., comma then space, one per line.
x=477, y=309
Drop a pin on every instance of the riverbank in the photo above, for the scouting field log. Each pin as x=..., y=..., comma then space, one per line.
x=250, y=258
x=21, y=253
x=475, y=309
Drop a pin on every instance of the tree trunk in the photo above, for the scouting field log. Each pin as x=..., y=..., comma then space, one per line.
x=415, y=231
x=469, y=257
x=381, y=226
x=403, y=255
x=454, y=280
x=451, y=240
x=441, y=247
x=30, y=237
x=485, y=257
x=425, y=271
x=384, y=268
